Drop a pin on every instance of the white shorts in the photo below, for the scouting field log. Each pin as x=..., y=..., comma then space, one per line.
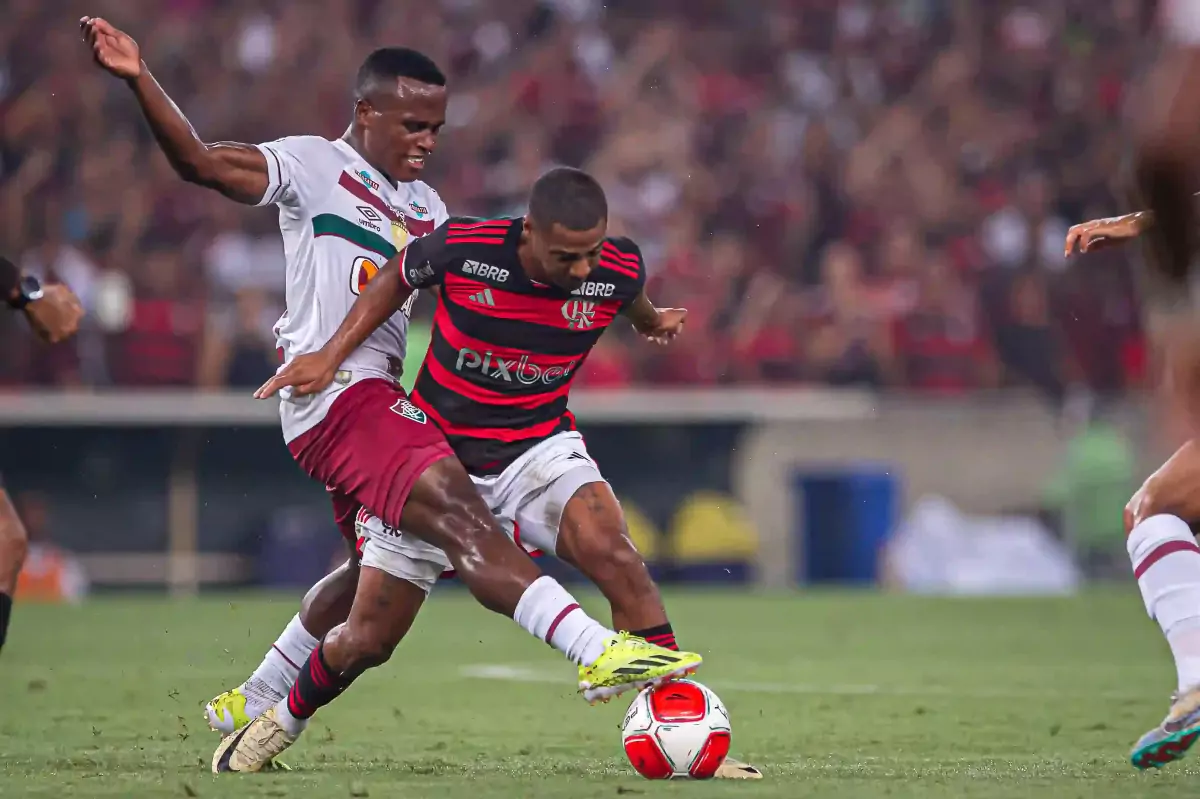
x=527, y=498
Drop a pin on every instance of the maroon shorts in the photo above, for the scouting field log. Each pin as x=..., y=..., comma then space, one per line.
x=369, y=450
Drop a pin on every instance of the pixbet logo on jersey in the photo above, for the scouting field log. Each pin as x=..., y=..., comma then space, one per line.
x=511, y=371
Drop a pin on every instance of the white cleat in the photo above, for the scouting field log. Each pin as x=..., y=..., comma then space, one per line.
x=254, y=747
x=737, y=770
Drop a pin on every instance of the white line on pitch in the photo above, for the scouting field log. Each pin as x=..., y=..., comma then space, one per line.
x=516, y=672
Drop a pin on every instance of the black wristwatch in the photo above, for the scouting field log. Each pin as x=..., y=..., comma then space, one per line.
x=29, y=289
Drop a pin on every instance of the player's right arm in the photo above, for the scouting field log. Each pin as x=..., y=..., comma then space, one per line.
x=238, y=171
x=422, y=264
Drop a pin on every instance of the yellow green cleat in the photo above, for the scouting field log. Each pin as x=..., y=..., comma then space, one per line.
x=629, y=662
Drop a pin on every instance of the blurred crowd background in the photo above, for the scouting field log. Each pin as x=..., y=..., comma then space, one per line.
x=854, y=192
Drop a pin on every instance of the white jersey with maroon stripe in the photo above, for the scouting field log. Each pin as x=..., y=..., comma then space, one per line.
x=341, y=220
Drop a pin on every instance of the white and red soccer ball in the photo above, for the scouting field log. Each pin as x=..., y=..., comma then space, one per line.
x=680, y=729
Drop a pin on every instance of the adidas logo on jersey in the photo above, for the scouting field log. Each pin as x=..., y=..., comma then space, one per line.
x=483, y=297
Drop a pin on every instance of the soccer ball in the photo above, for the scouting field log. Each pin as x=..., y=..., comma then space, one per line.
x=679, y=729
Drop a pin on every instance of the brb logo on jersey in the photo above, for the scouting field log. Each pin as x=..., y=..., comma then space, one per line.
x=594, y=290
x=519, y=371
x=580, y=314
x=485, y=271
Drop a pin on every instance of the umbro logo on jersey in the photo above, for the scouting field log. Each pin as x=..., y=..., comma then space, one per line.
x=483, y=297
x=409, y=411
x=485, y=271
x=370, y=217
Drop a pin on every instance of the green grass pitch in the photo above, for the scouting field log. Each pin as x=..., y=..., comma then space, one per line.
x=831, y=694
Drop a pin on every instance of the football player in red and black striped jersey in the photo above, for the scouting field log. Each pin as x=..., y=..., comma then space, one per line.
x=522, y=303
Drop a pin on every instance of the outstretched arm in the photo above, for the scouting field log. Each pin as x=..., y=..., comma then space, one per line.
x=659, y=325
x=384, y=296
x=238, y=171
x=1100, y=233
x=421, y=264
x=312, y=372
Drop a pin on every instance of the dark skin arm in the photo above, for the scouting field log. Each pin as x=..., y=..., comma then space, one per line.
x=659, y=325
x=1100, y=233
x=384, y=296
x=314, y=371
x=55, y=317
x=238, y=171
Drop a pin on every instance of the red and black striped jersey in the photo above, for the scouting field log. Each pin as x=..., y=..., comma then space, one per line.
x=504, y=348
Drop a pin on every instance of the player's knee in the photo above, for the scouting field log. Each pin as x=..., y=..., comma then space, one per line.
x=14, y=548
x=368, y=646
x=467, y=531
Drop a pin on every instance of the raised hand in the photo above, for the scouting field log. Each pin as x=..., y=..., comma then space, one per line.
x=113, y=49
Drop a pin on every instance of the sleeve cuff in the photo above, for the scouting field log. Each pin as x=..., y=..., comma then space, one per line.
x=403, y=272
x=275, y=183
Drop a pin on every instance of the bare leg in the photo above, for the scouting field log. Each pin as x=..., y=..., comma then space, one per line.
x=376, y=624
x=445, y=510
x=14, y=546
x=593, y=538
x=327, y=604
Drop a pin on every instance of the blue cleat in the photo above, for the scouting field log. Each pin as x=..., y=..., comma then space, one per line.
x=1172, y=739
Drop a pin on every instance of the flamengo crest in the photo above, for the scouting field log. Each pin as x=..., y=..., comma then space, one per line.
x=580, y=314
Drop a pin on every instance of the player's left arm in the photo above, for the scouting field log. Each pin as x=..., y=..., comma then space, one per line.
x=421, y=264
x=659, y=325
